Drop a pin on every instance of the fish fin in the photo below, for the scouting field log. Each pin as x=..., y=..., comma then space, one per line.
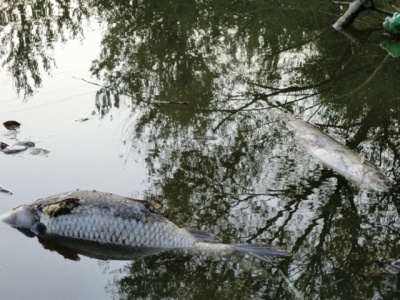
x=261, y=251
x=202, y=236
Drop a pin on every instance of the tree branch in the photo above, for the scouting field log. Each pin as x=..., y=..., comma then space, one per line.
x=352, y=12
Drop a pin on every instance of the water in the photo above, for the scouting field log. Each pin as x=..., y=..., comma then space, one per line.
x=84, y=155
x=178, y=99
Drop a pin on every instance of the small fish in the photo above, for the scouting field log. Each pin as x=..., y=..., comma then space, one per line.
x=337, y=156
x=110, y=219
x=18, y=147
x=15, y=149
x=21, y=147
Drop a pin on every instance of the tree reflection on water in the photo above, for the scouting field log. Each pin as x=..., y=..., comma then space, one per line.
x=28, y=33
x=206, y=78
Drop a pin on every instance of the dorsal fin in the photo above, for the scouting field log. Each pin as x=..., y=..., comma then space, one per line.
x=202, y=236
x=155, y=206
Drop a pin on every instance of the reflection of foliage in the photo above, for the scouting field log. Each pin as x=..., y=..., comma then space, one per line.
x=188, y=277
x=177, y=52
x=28, y=32
x=203, y=77
x=222, y=162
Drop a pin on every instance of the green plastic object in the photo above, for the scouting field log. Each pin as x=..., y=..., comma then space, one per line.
x=392, y=25
x=392, y=46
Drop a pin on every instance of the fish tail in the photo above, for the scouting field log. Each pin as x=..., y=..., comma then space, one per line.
x=261, y=251
x=209, y=242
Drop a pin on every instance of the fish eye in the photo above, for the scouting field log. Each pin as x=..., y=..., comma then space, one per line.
x=40, y=229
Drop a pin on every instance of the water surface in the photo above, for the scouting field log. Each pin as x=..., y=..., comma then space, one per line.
x=177, y=102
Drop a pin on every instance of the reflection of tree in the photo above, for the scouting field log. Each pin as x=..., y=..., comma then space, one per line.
x=204, y=78
x=28, y=31
x=191, y=277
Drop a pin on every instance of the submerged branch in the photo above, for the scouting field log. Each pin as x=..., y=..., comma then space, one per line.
x=128, y=94
x=355, y=8
x=297, y=294
x=302, y=43
x=362, y=85
x=352, y=13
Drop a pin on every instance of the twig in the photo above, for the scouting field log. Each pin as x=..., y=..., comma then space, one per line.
x=128, y=94
x=292, y=288
x=352, y=12
x=5, y=191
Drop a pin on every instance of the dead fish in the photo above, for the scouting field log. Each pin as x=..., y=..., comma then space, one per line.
x=15, y=149
x=11, y=125
x=110, y=219
x=337, y=156
x=18, y=147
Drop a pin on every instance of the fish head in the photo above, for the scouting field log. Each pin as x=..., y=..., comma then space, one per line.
x=21, y=217
x=377, y=181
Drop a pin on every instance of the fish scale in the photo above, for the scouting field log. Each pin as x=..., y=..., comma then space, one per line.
x=117, y=229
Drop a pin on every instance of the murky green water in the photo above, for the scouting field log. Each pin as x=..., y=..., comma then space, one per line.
x=176, y=101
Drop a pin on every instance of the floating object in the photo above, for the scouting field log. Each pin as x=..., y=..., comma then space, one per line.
x=11, y=125
x=82, y=120
x=27, y=144
x=15, y=149
x=3, y=146
x=110, y=219
x=38, y=151
x=18, y=147
x=392, y=46
x=355, y=8
x=5, y=191
x=337, y=156
x=392, y=24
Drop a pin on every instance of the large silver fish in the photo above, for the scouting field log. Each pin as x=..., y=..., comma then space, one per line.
x=110, y=219
x=337, y=156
